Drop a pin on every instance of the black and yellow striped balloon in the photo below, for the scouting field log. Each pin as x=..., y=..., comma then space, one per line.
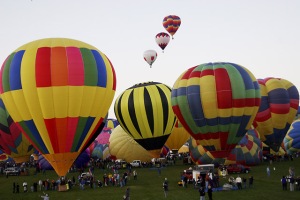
x=145, y=112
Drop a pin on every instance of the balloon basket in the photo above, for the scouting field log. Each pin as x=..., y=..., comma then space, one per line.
x=62, y=188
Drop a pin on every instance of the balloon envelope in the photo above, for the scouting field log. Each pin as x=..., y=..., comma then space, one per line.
x=12, y=141
x=292, y=138
x=123, y=146
x=278, y=108
x=58, y=91
x=150, y=56
x=178, y=137
x=144, y=111
x=216, y=103
x=171, y=24
x=162, y=39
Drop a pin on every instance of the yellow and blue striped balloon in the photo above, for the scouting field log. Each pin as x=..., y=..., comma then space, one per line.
x=144, y=111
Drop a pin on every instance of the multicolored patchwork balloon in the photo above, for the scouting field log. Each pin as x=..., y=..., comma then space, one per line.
x=172, y=24
x=216, y=103
x=278, y=108
x=58, y=91
x=248, y=151
x=292, y=139
x=12, y=141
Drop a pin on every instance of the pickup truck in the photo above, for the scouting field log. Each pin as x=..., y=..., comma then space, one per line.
x=136, y=163
x=237, y=168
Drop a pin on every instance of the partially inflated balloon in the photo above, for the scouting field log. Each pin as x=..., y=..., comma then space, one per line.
x=292, y=138
x=216, y=103
x=150, y=56
x=178, y=137
x=12, y=141
x=111, y=123
x=248, y=151
x=58, y=91
x=278, y=108
x=144, y=111
x=172, y=24
x=123, y=146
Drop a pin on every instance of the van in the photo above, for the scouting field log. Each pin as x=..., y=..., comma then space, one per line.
x=120, y=163
x=12, y=171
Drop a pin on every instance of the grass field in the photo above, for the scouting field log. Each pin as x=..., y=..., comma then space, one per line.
x=149, y=185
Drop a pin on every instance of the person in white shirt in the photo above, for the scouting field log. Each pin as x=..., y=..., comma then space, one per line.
x=238, y=181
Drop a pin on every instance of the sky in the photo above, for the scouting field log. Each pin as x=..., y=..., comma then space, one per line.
x=261, y=35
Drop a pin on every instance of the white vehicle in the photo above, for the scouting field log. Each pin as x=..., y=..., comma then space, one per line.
x=12, y=171
x=136, y=163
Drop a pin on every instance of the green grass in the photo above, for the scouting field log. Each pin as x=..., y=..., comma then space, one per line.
x=149, y=185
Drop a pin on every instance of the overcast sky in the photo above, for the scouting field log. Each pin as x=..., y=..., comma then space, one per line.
x=261, y=35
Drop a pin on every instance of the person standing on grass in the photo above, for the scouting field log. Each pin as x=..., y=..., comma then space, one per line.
x=245, y=182
x=268, y=171
x=202, y=193
x=134, y=175
x=127, y=194
x=166, y=187
x=284, y=183
x=209, y=192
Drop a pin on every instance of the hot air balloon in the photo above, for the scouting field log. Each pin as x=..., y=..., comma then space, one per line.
x=216, y=103
x=178, y=136
x=292, y=138
x=111, y=123
x=144, y=111
x=162, y=39
x=80, y=162
x=171, y=24
x=199, y=154
x=3, y=156
x=101, y=151
x=150, y=56
x=123, y=146
x=278, y=108
x=12, y=141
x=103, y=137
x=248, y=151
x=58, y=91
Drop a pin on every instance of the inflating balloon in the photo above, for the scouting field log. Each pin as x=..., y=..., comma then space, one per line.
x=216, y=103
x=123, y=146
x=278, y=108
x=58, y=91
x=292, y=138
x=12, y=141
x=178, y=137
x=144, y=111
x=171, y=24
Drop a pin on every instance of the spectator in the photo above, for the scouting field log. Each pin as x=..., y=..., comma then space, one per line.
x=268, y=171
x=127, y=194
x=292, y=185
x=209, y=192
x=134, y=175
x=251, y=179
x=45, y=197
x=245, y=182
x=166, y=187
x=202, y=193
x=238, y=181
x=284, y=183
